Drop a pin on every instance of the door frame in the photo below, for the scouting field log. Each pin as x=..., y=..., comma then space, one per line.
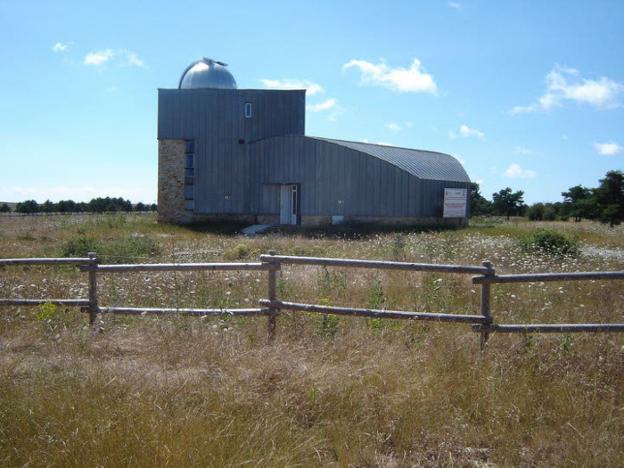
x=294, y=203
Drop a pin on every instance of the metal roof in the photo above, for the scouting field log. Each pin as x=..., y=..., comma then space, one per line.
x=428, y=165
x=207, y=73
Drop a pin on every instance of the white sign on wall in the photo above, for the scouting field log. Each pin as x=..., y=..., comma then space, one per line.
x=455, y=201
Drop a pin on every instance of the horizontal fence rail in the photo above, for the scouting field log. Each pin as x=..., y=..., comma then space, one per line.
x=183, y=311
x=483, y=322
x=36, y=302
x=553, y=328
x=179, y=267
x=545, y=277
x=376, y=264
x=373, y=313
x=44, y=261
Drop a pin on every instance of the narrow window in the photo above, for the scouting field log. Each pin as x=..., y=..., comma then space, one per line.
x=190, y=146
x=189, y=175
x=294, y=200
x=248, y=110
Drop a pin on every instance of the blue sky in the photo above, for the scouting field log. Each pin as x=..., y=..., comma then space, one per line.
x=526, y=94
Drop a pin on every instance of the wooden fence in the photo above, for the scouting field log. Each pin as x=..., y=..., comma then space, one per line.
x=485, y=276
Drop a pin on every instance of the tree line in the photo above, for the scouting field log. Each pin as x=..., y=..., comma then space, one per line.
x=96, y=205
x=604, y=203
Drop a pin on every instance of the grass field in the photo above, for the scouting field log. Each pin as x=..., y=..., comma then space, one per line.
x=189, y=391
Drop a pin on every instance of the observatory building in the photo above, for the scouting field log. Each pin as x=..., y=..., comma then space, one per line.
x=242, y=154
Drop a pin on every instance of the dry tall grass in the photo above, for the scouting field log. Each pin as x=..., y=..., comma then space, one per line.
x=188, y=391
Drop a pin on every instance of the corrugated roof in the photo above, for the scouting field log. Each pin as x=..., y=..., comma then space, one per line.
x=428, y=165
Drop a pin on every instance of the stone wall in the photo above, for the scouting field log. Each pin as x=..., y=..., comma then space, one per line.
x=171, y=182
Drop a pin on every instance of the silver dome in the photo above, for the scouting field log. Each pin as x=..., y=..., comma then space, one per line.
x=207, y=73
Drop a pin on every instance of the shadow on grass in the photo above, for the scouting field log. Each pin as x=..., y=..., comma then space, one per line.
x=227, y=228
x=342, y=231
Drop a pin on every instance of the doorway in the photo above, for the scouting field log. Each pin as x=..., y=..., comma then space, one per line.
x=289, y=204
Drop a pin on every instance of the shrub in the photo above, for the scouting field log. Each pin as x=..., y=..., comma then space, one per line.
x=550, y=242
x=80, y=246
x=238, y=252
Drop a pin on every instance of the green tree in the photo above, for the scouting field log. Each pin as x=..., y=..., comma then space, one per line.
x=479, y=205
x=550, y=212
x=535, y=212
x=28, y=206
x=578, y=202
x=4, y=208
x=67, y=206
x=48, y=207
x=610, y=198
x=508, y=203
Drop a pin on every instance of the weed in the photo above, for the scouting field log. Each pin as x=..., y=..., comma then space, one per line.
x=328, y=325
x=119, y=250
x=550, y=242
x=377, y=301
x=331, y=283
x=51, y=316
x=127, y=250
x=398, y=247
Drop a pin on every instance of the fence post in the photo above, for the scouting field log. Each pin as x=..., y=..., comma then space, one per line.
x=93, y=302
x=272, y=296
x=485, y=305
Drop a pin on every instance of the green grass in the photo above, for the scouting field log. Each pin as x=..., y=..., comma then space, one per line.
x=187, y=391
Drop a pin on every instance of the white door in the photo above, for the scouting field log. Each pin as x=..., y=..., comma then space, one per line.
x=288, y=204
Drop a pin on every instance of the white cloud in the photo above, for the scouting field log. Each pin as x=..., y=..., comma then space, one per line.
x=565, y=84
x=123, y=57
x=466, y=132
x=287, y=83
x=129, y=58
x=608, y=149
x=514, y=171
x=98, y=58
x=523, y=150
x=455, y=5
x=322, y=106
x=397, y=127
x=60, y=46
x=408, y=80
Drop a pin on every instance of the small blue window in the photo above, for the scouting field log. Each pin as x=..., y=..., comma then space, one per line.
x=248, y=110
